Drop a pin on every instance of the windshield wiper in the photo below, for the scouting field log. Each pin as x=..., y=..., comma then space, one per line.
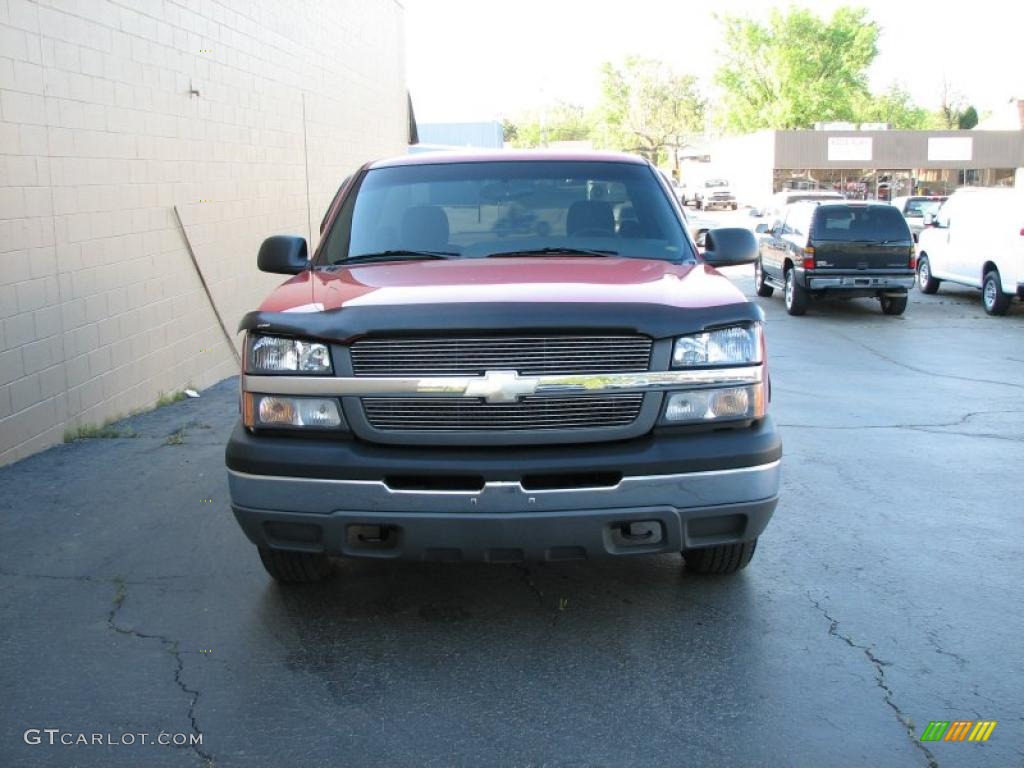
x=551, y=252
x=400, y=254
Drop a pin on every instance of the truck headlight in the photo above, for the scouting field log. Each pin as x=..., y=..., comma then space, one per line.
x=737, y=345
x=275, y=354
x=704, y=405
x=277, y=411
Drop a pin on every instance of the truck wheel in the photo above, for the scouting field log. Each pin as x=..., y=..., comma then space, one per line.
x=796, y=295
x=996, y=302
x=698, y=204
x=893, y=305
x=762, y=288
x=721, y=559
x=734, y=206
x=295, y=567
x=925, y=282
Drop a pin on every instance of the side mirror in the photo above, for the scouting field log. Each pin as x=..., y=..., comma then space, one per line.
x=730, y=246
x=762, y=229
x=283, y=254
x=928, y=219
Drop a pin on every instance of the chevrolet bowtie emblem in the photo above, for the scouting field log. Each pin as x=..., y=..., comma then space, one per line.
x=501, y=387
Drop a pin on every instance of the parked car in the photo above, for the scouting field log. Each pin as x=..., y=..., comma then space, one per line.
x=774, y=205
x=852, y=250
x=425, y=387
x=913, y=209
x=976, y=239
x=695, y=225
x=715, y=193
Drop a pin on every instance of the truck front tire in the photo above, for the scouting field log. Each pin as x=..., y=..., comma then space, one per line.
x=295, y=567
x=925, y=282
x=721, y=560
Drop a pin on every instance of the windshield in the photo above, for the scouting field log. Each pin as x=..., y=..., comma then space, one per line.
x=475, y=210
x=916, y=208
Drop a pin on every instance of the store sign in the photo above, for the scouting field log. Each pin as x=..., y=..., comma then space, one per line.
x=950, y=149
x=849, y=148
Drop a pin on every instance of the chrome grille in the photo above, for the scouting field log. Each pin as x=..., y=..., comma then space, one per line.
x=531, y=413
x=529, y=355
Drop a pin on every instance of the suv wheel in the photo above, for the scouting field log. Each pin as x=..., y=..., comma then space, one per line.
x=762, y=288
x=721, y=559
x=996, y=302
x=796, y=295
x=925, y=282
x=295, y=567
x=893, y=305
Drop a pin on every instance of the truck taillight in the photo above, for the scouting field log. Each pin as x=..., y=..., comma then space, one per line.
x=912, y=260
x=809, y=257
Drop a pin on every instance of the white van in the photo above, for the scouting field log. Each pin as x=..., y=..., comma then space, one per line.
x=976, y=238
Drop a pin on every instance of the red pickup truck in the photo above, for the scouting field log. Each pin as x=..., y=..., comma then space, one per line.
x=504, y=356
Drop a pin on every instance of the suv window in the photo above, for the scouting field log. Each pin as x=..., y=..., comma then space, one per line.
x=472, y=209
x=860, y=223
x=798, y=220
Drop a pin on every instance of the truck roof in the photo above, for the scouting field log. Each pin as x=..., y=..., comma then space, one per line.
x=507, y=156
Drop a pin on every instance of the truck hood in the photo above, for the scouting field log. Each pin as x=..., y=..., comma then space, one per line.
x=551, y=279
x=516, y=295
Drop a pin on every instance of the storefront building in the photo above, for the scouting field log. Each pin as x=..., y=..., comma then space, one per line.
x=869, y=165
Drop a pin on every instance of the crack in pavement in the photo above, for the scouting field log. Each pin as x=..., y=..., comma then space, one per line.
x=528, y=581
x=154, y=581
x=923, y=371
x=879, y=666
x=171, y=646
x=921, y=427
x=930, y=635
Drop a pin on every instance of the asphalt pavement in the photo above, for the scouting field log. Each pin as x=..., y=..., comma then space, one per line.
x=886, y=593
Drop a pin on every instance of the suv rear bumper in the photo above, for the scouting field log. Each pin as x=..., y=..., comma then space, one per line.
x=648, y=511
x=861, y=283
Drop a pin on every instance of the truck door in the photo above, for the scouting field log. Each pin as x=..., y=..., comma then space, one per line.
x=940, y=248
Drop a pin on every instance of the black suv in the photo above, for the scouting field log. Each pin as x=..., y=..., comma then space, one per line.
x=852, y=250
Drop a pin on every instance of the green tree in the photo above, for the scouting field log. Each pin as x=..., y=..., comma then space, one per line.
x=894, y=107
x=795, y=69
x=559, y=122
x=967, y=119
x=648, y=108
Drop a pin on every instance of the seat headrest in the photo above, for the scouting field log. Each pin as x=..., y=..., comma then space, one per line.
x=590, y=215
x=425, y=227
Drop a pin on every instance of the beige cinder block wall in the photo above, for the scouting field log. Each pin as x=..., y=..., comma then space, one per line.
x=101, y=134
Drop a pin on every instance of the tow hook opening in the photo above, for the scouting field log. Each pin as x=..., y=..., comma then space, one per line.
x=637, y=533
x=362, y=536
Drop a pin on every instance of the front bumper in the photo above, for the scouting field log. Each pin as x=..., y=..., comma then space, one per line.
x=674, y=492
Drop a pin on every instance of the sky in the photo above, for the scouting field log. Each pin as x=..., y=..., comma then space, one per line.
x=483, y=59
